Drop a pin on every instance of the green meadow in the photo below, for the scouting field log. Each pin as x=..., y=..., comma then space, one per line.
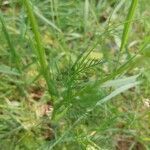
x=75, y=75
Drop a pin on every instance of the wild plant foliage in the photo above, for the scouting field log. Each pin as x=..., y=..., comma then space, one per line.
x=74, y=74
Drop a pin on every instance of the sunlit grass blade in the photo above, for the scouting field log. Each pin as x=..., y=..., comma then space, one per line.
x=128, y=23
x=117, y=92
x=120, y=82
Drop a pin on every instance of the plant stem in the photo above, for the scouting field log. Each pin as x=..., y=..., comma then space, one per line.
x=128, y=23
x=40, y=49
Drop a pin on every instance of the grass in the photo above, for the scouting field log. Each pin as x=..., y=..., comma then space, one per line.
x=128, y=23
x=74, y=75
x=41, y=56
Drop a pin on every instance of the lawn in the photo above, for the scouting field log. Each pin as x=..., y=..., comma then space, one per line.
x=75, y=75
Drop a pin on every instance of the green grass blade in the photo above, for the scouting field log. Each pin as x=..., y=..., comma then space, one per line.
x=8, y=70
x=45, y=20
x=39, y=47
x=120, y=82
x=86, y=14
x=117, y=92
x=14, y=55
x=128, y=23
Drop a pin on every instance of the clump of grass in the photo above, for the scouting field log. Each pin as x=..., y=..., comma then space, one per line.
x=76, y=97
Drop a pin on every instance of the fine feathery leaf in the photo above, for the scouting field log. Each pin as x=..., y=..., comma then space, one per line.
x=99, y=103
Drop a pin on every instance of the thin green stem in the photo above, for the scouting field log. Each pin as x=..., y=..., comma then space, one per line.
x=39, y=47
x=128, y=23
